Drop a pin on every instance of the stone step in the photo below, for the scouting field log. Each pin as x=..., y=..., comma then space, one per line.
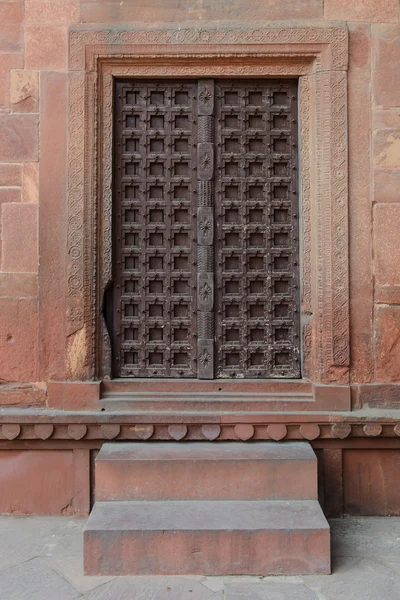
x=206, y=471
x=207, y=538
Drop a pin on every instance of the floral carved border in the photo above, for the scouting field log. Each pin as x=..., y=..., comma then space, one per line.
x=318, y=57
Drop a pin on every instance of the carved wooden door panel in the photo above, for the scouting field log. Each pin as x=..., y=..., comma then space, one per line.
x=205, y=229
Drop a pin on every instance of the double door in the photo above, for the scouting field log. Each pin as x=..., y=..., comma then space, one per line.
x=205, y=229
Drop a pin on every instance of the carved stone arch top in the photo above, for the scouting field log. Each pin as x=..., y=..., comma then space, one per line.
x=318, y=56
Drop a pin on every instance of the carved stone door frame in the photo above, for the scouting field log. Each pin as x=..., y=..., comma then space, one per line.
x=318, y=56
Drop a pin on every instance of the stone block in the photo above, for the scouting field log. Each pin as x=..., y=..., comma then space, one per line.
x=387, y=344
x=10, y=194
x=19, y=225
x=46, y=47
x=8, y=62
x=52, y=11
x=19, y=138
x=30, y=183
x=369, y=11
x=10, y=174
x=360, y=468
x=52, y=220
x=360, y=218
x=24, y=93
x=115, y=11
x=11, y=25
x=386, y=243
x=385, y=64
x=386, y=149
x=226, y=471
x=207, y=538
x=20, y=395
x=386, y=185
x=18, y=285
x=18, y=339
x=39, y=482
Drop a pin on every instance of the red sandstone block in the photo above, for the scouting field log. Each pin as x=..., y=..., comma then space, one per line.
x=46, y=47
x=10, y=174
x=115, y=11
x=18, y=339
x=24, y=93
x=8, y=62
x=387, y=185
x=386, y=60
x=19, y=251
x=10, y=194
x=386, y=243
x=370, y=11
x=360, y=468
x=19, y=395
x=207, y=538
x=43, y=482
x=19, y=138
x=30, y=183
x=386, y=148
x=387, y=347
x=73, y=395
x=168, y=471
x=11, y=26
x=18, y=285
x=52, y=11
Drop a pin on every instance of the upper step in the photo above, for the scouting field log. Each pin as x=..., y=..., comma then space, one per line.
x=206, y=471
x=207, y=538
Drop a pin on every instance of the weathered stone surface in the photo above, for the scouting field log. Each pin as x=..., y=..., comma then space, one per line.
x=11, y=23
x=19, y=137
x=19, y=395
x=34, y=580
x=24, y=93
x=360, y=219
x=18, y=285
x=52, y=229
x=157, y=588
x=270, y=590
x=387, y=343
x=18, y=339
x=207, y=538
x=386, y=149
x=10, y=174
x=8, y=62
x=370, y=11
x=386, y=58
x=113, y=11
x=223, y=471
x=30, y=183
x=23, y=492
x=10, y=194
x=51, y=11
x=19, y=220
x=387, y=185
x=46, y=47
x=386, y=244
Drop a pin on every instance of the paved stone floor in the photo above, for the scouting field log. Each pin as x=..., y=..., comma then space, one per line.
x=41, y=559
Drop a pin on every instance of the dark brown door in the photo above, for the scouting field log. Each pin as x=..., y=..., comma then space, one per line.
x=205, y=237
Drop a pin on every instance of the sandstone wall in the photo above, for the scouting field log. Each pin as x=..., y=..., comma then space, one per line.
x=33, y=89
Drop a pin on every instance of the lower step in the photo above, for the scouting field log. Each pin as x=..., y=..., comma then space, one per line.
x=207, y=538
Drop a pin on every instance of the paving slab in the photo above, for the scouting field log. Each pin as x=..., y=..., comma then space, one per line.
x=269, y=591
x=35, y=580
x=153, y=588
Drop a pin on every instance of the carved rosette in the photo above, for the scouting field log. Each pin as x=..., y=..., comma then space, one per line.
x=205, y=233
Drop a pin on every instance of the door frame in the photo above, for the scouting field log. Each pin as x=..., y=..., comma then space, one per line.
x=318, y=57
